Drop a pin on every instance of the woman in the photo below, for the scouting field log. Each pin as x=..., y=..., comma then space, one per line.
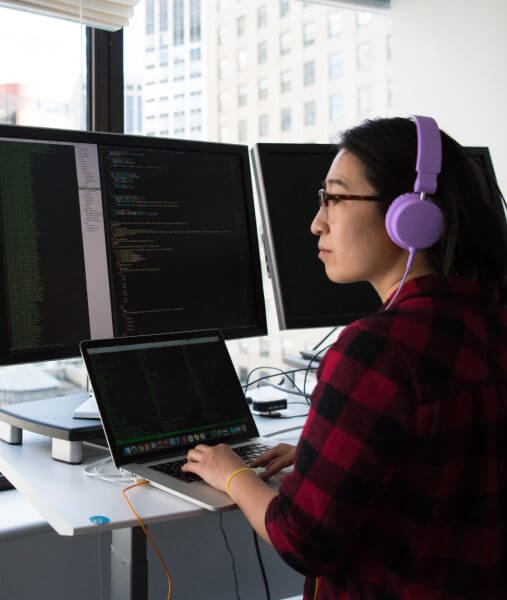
x=399, y=486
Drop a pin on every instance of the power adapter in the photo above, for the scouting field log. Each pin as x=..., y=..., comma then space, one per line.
x=267, y=401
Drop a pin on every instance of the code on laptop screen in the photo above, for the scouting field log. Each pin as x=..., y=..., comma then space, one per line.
x=168, y=394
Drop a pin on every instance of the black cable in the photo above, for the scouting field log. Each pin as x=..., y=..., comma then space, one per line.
x=325, y=338
x=275, y=433
x=261, y=564
x=278, y=372
x=232, y=556
x=282, y=389
x=274, y=374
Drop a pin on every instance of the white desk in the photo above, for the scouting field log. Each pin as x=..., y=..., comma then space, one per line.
x=67, y=498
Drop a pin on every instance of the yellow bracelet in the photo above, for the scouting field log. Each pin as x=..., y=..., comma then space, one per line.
x=232, y=475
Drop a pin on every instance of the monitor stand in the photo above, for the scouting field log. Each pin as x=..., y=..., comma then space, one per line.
x=88, y=409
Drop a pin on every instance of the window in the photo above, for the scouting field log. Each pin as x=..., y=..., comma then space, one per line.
x=39, y=84
x=195, y=54
x=178, y=69
x=363, y=100
x=242, y=60
x=262, y=16
x=195, y=20
x=263, y=125
x=335, y=107
x=262, y=53
x=240, y=26
x=179, y=120
x=263, y=346
x=262, y=88
x=309, y=113
x=335, y=65
x=242, y=131
x=272, y=80
x=363, y=56
x=285, y=81
x=163, y=15
x=242, y=95
x=195, y=117
x=308, y=34
x=388, y=48
x=286, y=119
x=178, y=23
x=285, y=43
x=164, y=58
x=309, y=73
x=150, y=17
x=221, y=35
x=334, y=24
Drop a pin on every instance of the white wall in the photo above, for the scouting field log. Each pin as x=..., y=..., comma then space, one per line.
x=450, y=62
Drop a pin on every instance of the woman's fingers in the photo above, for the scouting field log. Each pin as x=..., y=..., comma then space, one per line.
x=272, y=454
x=275, y=466
x=265, y=458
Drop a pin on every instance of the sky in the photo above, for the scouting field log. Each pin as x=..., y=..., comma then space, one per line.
x=46, y=53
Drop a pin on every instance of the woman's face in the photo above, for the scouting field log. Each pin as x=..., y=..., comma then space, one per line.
x=353, y=242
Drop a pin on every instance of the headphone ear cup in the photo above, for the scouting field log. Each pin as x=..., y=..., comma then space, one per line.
x=414, y=223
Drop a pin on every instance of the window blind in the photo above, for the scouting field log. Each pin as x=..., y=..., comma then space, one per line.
x=102, y=14
x=371, y=5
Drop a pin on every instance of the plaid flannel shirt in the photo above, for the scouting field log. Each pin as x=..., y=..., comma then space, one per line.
x=399, y=486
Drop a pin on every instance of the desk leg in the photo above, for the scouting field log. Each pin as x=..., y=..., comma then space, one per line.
x=129, y=565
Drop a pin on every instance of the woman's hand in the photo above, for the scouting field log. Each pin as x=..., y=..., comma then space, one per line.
x=214, y=464
x=275, y=460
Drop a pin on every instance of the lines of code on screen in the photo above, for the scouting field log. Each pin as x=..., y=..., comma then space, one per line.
x=43, y=263
x=179, y=247
x=166, y=391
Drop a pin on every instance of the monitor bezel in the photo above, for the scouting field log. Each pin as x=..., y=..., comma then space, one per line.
x=7, y=356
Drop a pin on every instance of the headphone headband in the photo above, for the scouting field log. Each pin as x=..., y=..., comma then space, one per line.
x=429, y=154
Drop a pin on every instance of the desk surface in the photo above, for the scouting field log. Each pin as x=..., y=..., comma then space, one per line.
x=67, y=498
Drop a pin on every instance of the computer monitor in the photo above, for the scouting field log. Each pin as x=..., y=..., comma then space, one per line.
x=110, y=235
x=288, y=177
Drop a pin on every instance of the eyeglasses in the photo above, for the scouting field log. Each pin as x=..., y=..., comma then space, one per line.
x=325, y=198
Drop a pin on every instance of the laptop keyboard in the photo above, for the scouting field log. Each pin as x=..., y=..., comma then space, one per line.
x=248, y=453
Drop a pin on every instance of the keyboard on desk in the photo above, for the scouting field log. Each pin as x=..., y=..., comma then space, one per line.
x=248, y=453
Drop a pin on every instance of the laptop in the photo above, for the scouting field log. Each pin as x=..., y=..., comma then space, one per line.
x=160, y=395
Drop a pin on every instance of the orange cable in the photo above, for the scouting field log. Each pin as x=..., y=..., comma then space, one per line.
x=316, y=588
x=143, y=527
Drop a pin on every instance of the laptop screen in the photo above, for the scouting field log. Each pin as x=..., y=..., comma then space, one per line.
x=158, y=394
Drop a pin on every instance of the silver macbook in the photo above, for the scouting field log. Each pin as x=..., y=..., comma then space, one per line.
x=160, y=395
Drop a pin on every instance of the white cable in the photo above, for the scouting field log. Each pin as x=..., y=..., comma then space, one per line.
x=118, y=476
x=411, y=254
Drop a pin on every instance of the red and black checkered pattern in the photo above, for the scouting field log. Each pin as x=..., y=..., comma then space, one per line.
x=399, y=488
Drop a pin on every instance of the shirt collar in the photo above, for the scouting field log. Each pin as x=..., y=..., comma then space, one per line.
x=467, y=291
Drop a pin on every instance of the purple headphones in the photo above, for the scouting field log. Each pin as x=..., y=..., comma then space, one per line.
x=413, y=222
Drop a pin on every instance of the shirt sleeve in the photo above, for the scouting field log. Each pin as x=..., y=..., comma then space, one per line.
x=357, y=434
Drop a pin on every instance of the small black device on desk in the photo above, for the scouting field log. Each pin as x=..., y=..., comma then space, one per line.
x=5, y=484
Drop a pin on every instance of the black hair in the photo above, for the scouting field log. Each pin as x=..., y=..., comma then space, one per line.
x=474, y=243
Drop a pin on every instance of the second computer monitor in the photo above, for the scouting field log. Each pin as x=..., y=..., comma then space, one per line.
x=288, y=179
